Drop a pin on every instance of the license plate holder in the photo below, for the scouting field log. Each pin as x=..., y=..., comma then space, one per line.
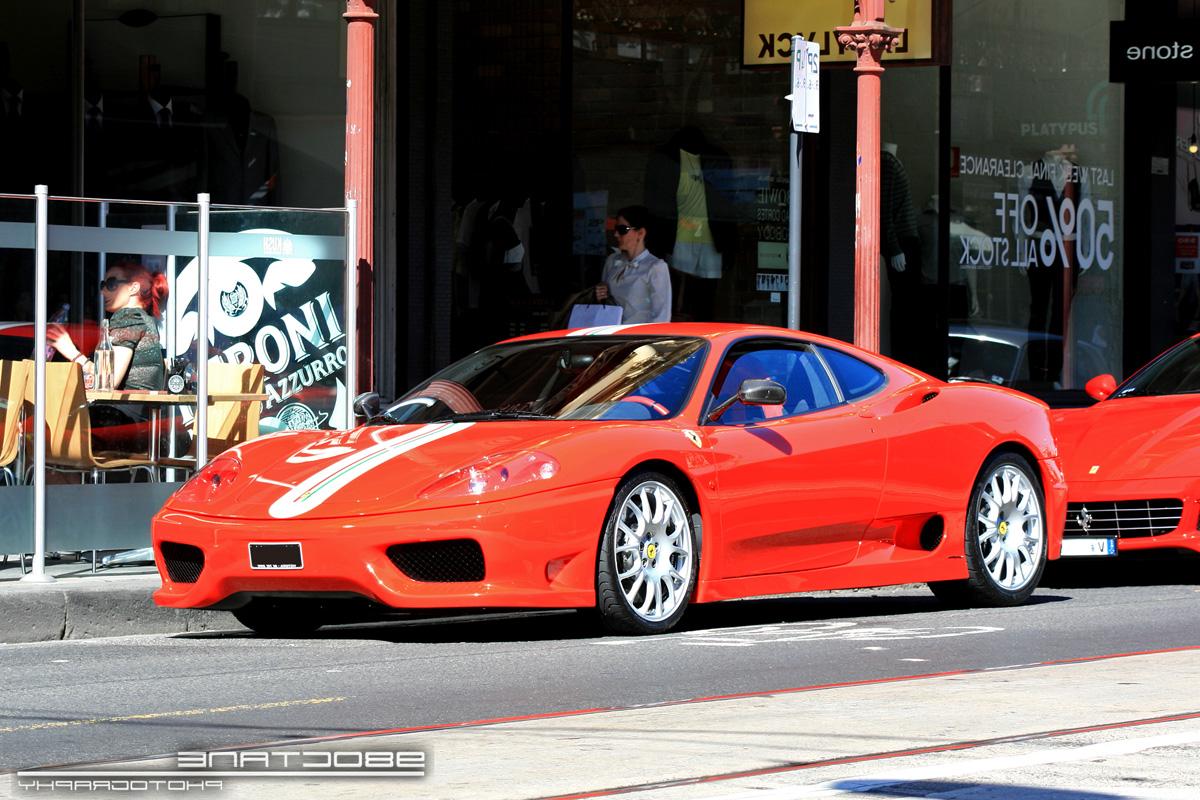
x=276, y=555
x=1089, y=546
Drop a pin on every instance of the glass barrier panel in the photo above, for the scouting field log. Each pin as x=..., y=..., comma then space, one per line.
x=107, y=455
x=16, y=347
x=276, y=298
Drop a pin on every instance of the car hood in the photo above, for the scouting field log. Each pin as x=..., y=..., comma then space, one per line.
x=1131, y=438
x=372, y=469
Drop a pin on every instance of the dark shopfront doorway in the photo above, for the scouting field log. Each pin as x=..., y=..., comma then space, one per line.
x=521, y=109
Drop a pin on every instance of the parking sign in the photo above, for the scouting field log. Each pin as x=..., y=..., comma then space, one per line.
x=806, y=87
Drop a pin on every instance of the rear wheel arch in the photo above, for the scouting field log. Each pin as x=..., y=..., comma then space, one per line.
x=1017, y=449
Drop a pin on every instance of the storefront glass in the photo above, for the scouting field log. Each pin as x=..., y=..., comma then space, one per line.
x=245, y=101
x=1187, y=211
x=1036, y=202
x=666, y=116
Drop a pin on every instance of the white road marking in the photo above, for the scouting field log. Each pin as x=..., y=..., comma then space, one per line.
x=812, y=632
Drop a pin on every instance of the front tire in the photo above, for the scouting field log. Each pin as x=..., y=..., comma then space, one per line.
x=281, y=617
x=647, y=567
x=1005, y=537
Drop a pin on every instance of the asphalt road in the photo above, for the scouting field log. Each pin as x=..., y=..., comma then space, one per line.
x=104, y=699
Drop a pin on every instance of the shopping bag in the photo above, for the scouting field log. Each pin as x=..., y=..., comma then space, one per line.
x=590, y=315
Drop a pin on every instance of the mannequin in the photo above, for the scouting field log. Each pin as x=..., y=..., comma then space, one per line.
x=692, y=224
x=1051, y=286
x=243, y=152
x=900, y=245
x=157, y=142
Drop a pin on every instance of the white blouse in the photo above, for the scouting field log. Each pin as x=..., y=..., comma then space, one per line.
x=640, y=285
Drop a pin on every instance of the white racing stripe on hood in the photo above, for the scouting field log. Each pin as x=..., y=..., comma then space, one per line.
x=603, y=330
x=318, y=488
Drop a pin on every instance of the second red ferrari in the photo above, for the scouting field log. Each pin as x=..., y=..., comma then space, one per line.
x=1131, y=459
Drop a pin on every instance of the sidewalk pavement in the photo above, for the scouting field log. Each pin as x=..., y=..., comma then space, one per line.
x=1112, y=727
x=82, y=604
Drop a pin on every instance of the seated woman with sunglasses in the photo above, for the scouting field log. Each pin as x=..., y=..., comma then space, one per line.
x=134, y=296
x=635, y=278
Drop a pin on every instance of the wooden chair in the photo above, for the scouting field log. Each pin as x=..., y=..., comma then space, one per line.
x=230, y=422
x=13, y=377
x=69, y=429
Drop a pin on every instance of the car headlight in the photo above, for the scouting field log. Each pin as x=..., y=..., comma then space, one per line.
x=490, y=473
x=212, y=479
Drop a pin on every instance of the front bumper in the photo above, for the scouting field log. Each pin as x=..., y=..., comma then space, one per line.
x=539, y=551
x=1184, y=536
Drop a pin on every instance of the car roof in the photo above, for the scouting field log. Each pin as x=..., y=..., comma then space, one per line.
x=705, y=330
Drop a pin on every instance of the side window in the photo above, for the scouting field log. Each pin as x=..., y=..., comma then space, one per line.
x=857, y=378
x=797, y=369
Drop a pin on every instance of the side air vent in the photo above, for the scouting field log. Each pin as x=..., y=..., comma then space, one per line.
x=449, y=561
x=184, y=562
x=1128, y=519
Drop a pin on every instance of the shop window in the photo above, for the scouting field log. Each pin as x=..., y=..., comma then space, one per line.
x=1036, y=194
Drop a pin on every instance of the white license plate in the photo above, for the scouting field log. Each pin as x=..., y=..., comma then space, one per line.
x=1089, y=546
x=276, y=555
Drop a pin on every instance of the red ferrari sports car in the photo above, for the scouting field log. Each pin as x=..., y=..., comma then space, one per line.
x=1131, y=460
x=634, y=470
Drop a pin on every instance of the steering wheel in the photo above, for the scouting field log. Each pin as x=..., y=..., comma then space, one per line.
x=653, y=405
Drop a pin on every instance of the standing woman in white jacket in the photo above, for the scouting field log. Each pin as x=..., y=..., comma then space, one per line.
x=633, y=276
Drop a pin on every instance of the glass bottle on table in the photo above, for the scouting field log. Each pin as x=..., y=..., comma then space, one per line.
x=104, y=360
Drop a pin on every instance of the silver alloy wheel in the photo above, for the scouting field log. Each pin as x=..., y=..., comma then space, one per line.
x=653, y=551
x=1011, y=528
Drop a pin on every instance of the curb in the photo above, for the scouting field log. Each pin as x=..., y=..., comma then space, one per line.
x=123, y=607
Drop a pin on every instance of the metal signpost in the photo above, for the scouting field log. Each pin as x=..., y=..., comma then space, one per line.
x=806, y=118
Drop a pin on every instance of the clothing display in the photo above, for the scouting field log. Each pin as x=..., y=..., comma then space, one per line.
x=242, y=147
x=687, y=209
x=898, y=233
x=900, y=246
x=157, y=148
x=1051, y=286
x=694, y=252
x=640, y=285
x=243, y=160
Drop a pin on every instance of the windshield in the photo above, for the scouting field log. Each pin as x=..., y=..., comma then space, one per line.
x=1175, y=372
x=578, y=377
x=982, y=358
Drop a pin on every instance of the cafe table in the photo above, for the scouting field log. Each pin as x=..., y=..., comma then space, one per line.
x=155, y=401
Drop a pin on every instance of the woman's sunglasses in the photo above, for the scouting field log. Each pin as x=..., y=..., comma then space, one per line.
x=111, y=283
x=624, y=229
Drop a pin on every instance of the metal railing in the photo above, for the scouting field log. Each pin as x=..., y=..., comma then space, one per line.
x=168, y=242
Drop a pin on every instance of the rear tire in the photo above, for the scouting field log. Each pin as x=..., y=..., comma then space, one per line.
x=281, y=617
x=1004, y=539
x=648, y=562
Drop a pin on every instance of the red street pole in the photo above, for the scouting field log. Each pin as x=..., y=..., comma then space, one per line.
x=869, y=37
x=360, y=167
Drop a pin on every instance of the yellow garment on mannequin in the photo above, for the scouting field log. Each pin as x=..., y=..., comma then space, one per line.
x=690, y=200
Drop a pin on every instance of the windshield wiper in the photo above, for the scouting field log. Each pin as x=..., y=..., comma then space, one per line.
x=467, y=416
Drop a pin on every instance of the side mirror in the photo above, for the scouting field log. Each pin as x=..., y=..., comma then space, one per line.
x=1100, y=387
x=366, y=405
x=753, y=392
x=758, y=392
